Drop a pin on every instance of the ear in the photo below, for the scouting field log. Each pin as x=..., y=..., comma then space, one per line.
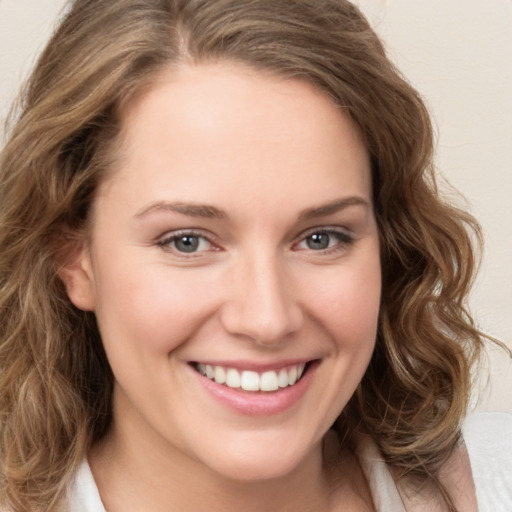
x=78, y=278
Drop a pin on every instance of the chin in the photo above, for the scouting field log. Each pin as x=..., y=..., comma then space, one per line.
x=256, y=471
x=261, y=461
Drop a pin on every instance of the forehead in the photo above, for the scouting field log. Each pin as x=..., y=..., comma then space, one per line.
x=223, y=124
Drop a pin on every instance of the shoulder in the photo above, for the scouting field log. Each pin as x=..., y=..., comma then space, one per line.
x=488, y=440
x=83, y=495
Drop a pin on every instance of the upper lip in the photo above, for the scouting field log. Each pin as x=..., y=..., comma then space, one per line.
x=240, y=364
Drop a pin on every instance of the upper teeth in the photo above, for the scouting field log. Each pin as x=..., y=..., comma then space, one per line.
x=250, y=380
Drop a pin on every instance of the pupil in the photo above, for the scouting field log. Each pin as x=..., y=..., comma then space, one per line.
x=318, y=241
x=187, y=243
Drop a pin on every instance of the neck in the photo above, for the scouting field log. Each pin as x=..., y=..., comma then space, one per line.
x=145, y=476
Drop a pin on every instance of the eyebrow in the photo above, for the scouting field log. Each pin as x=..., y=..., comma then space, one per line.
x=212, y=212
x=332, y=207
x=190, y=209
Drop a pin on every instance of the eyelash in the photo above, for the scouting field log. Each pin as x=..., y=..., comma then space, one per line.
x=344, y=240
x=167, y=242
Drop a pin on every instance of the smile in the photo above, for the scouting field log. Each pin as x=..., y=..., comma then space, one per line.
x=256, y=390
x=248, y=380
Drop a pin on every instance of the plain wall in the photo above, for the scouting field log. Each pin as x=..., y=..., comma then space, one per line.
x=457, y=54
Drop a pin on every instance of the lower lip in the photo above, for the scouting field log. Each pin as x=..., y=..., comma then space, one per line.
x=258, y=403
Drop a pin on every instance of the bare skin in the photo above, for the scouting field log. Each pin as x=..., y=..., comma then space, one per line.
x=340, y=486
x=237, y=231
x=237, y=225
x=458, y=481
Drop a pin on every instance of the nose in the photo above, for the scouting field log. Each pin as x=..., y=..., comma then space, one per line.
x=261, y=304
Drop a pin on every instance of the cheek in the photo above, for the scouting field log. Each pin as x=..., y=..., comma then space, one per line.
x=155, y=310
x=348, y=304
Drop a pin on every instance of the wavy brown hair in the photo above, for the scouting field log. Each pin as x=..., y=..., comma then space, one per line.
x=55, y=381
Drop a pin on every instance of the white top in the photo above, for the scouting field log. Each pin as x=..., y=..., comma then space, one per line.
x=488, y=438
x=84, y=495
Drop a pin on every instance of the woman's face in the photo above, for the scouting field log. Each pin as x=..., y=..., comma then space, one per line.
x=236, y=240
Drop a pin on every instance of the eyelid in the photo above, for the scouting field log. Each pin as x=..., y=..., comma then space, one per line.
x=337, y=230
x=165, y=240
x=345, y=235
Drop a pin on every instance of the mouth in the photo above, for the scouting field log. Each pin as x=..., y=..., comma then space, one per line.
x=267, y=381
x=254, y=389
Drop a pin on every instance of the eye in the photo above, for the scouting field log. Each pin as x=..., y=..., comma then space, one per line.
x=318, y=241
x=186, y=243
x=325, y=239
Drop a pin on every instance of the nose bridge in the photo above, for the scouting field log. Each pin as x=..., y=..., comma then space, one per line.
x=262, y=306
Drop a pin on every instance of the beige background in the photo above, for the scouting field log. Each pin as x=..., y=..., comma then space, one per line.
x=457, y=53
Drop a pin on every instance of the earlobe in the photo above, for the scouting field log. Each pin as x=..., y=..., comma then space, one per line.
x=78, y=279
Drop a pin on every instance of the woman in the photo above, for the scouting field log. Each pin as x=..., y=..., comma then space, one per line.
x=227, y=278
